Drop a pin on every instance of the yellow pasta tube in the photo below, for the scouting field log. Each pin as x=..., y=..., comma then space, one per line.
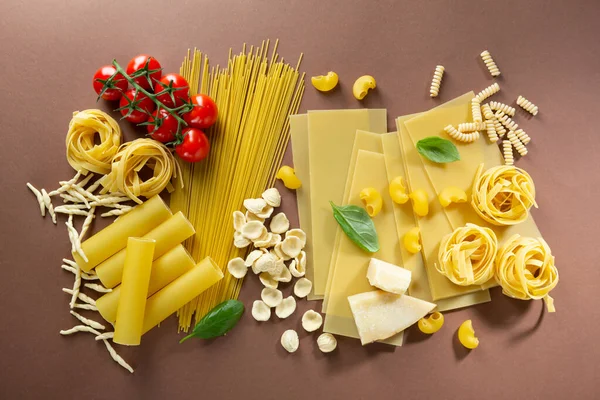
x=362, y=85
x=167, y=235
x=452, y=194
x=289, y=178
x=325, y=83
x=431, y=324
x=179, y=292
x=466, y=335
x=132, y=302
x=165, y=270
x=110, y=240
x=420, y=200
x=398, y=190
x=372, y=200
x=412, y=240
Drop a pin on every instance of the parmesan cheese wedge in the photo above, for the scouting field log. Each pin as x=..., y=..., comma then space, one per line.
x=388, y=277
x=379, y=315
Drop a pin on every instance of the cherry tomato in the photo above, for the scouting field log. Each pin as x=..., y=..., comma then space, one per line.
x=138, y=63
x=204, y=114
x=116, y=86
x=177, y=85
x=195, y=145
x=141, y=101
x=165, y=129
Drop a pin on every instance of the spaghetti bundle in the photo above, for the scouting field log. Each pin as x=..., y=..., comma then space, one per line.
x=131, y=159
x=467, y=255
x=255, y=94
x=83, y=154
x=525, y=269
x=503, y=195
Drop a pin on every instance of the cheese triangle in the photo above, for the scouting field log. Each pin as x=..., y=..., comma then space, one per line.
x=379, y=315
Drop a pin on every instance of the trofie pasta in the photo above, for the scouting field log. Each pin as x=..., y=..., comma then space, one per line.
x=527, y=105
x=487, y=92
x=131, y=158
x=525, y=269
x=505, y=108
x=83, y=154
x=460, y=136
x=467, y=255
x=503, y=195
x=489, y=63
x=507, y=151
x=438, y=74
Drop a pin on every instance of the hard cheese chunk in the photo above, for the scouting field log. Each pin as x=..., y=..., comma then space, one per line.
x=388, y=277
x=379, y=315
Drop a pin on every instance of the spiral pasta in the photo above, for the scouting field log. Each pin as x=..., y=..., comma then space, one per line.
x=503, y=195
x=489, y=63
x=506, y=121
x=491, y=131
x=487, y=111
x=438, y=74
x=525, y=269
x=527, y=105
x=476, y=110
x=83, y=154
x=505, y=108
x=514, y=140
x=507, y=151
x=471, y=126
x=487, y=92
x=523, y=137
x=460, y=136
x=131, y=159
x=500, y=130
x=467, y=255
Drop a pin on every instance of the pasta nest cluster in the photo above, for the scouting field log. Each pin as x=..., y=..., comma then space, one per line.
x=525, y=269
x=467, y=255
x=83, y=153
x=503, y=195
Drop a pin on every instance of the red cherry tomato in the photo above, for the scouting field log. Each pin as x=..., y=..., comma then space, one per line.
x=165, y=129
x=177, y=85
x=195, y=146
x=116, y=86
x=138, y=63
x=204, y=114
x=141, y=101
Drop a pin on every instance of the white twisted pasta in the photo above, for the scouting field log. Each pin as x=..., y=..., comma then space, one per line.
x=523, y=137
x=466, y=256
x=507, y=151
x=438, y=74
x=503, y=195
x=487, y=111
x=489, y=63
x=506, y=121
x=525, y=269
x=500, y=130
x=514, y=140
x=82, y=152
x=476, y=110
x=133, y=157
x=491, y=131
x=505, y=108
x=487, y=92
x=460, y=136
x=471, y=126
x=527, y=105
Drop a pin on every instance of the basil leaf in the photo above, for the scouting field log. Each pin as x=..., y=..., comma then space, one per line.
x=438, y=150
x=357, y=225
x=218, y=321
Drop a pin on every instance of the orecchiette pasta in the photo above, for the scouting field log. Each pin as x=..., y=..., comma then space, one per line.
x=489, y=63
x=514, y=140
x=505, y=108
x=436, y=81
x=507, y=152
x=487, y=92
x=527, y=105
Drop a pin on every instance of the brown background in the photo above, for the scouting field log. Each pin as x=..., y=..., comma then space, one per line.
x=547, y=51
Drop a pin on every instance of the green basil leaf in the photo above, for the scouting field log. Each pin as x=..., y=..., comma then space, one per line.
x=357, y=225
x=438, y=150
x=218, y=321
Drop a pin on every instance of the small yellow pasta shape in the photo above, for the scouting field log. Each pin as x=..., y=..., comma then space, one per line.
x=527, y=105
x=507, y=151
x=452, y=194
x=490, y=63
x=432, y=323
x=506, y=121
x=505, y=108
x=412, y=240
x=476, y=110
x=397, y=190
x=487, y=92
x=420, y=202
x=438, y=74
x=288, y=177
x=362, y=85
x=372, y=200
x=325, y=83
x=466, y=335
x=460, y=136
x=491, y=131
x=514, y=140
